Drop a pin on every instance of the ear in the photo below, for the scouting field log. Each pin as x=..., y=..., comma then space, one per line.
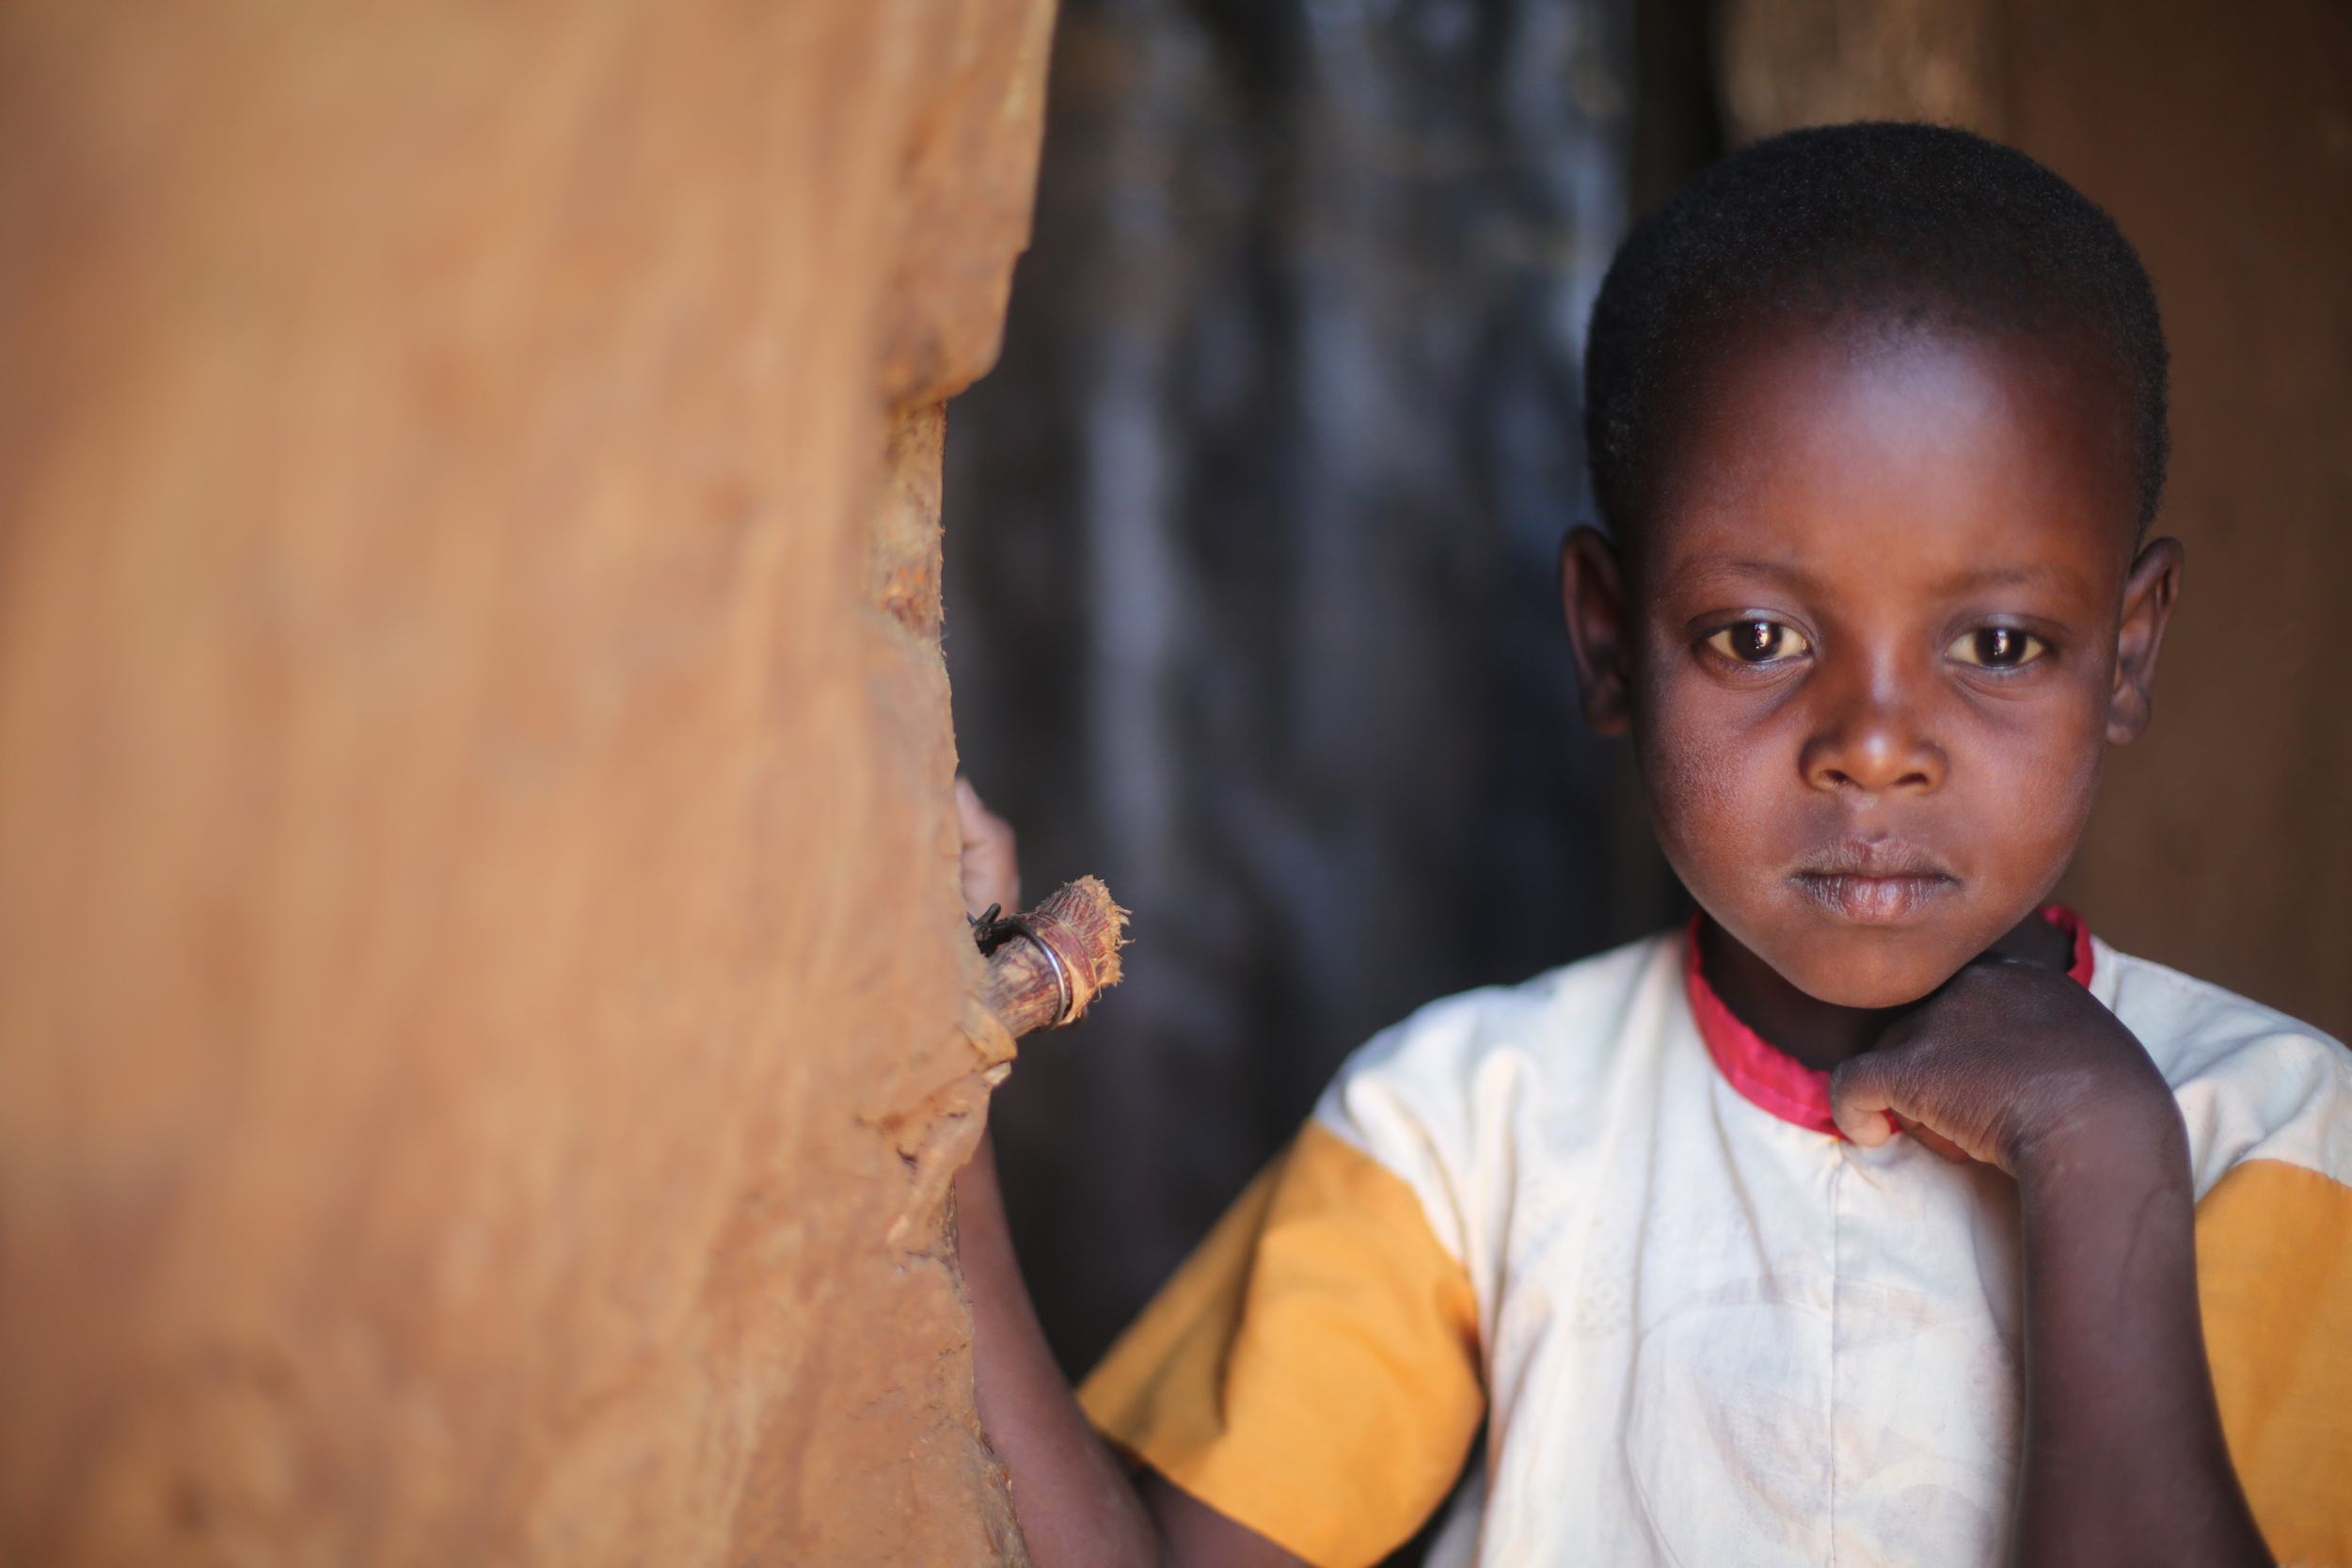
x=2148, y=597
x=1592, y=589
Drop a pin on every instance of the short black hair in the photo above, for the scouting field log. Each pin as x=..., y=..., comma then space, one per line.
x=1871, y=220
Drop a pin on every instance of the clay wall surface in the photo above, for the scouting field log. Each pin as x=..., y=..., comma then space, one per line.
x=2220, y=137
x=479, y=949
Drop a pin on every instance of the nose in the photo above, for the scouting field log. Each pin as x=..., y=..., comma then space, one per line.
x=1872, y=739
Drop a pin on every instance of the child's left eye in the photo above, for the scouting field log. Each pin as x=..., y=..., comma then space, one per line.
x=1997, y=647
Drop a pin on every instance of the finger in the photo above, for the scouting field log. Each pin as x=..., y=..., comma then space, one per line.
x=1904, y=1088
x=971, y=816
x=1861, y=1102
x=992, y=863
x=1931, y=1139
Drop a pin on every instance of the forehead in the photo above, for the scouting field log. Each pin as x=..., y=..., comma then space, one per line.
x=1885, y=454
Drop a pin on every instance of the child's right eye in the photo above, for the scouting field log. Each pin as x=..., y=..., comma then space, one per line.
x=1759, y=643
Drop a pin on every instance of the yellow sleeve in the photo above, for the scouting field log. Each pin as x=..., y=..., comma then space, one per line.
x=1312, y=1371
x=2274, y=1276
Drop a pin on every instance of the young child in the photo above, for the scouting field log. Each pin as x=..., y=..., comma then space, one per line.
x=1886, y=1215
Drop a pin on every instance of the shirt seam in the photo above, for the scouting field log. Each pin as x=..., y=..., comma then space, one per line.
x=1837, y=1193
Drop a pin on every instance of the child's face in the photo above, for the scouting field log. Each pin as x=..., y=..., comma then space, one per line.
x=1880, y=625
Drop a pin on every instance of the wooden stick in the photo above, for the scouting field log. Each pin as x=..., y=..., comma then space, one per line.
x=1047, y=965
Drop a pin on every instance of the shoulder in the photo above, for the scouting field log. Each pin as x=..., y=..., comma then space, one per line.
x=1564, y=1021
x=2252, y=1082
x=1434, y=1098
x=2268, y=1103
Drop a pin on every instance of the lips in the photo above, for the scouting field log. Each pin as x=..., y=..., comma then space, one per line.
x=1874, y=882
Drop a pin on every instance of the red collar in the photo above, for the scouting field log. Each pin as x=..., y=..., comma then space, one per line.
x=1768, y=1077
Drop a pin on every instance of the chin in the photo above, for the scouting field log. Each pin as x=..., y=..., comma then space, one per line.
x=1874, y=970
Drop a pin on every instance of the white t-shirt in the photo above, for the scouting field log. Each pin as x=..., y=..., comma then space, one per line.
x=1700, y=1327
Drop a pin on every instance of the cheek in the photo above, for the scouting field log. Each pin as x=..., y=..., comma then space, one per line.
x=2039, y=787
x=1705, y=771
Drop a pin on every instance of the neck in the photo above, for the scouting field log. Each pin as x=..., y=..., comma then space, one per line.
x=1822, y=1033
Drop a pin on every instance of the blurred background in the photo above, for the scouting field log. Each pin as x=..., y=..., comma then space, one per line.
x=1252, y=536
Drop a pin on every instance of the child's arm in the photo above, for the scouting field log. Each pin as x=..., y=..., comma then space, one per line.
x=1076, y=1505
x=1072, y=1496
x=2124, y=1460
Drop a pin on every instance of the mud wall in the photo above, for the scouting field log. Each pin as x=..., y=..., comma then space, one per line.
x=479, y=954
x=2220, y=137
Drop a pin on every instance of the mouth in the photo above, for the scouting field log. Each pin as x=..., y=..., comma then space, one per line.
x=1876, y=883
